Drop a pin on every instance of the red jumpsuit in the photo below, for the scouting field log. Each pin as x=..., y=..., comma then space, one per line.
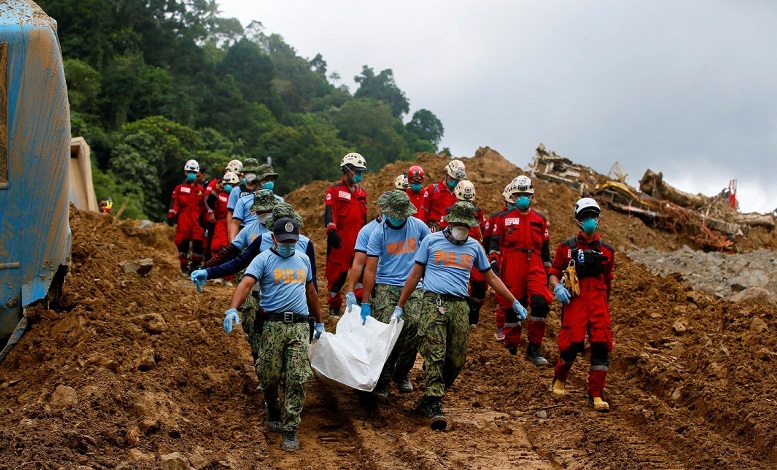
x=217, y=205
x=188, y=205
x=346, y=212
x=437, y=199
x=589, y=312
x=417, y=198
x=521, y=246
x=488, y=233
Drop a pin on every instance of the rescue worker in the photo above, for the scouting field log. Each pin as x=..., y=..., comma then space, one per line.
x=444, y=261
x=400, y=183
x=287, y=301
x=520, y=253
x=586, y=312
x=186, y=209
x=264, y=180
x=415, y=190
x=345, y=213
x=488, y=233
x=248, y=185
x=216, y=207
x=390, y=254
x=438, y=197
x=236, y=167
x=106, y=206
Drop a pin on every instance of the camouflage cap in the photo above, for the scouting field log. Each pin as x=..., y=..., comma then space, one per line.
x=264, y=172
x=397, y=205
x=462, y=212
x=383, y=199
x=280, y=211
x=250, y=165
x=264, y=201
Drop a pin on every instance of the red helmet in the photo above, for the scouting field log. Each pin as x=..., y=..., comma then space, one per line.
x=415, y=174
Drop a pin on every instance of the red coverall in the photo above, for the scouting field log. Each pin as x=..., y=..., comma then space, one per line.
x=488, y=233
x=521, y=246
x=588, y=312
x=189, y=206
x=346, y=212
x=217, y=204
x=417, y=198
x=437, y=199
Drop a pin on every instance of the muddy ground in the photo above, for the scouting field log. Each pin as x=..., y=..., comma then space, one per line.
x=134, y=371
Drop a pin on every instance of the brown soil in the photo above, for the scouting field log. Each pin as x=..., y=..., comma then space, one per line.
x=702, y=398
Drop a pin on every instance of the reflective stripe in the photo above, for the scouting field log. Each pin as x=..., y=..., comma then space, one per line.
x=532, y=318
x=598, y=367
x=512, y=325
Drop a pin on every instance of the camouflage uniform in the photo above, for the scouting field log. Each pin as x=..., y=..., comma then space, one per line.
x=403, y=355
x=283, y=360
x=444, y=338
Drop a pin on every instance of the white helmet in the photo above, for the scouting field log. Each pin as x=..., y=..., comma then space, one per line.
x=230, y=178
x=465, y=191
x=401, y=182
x=191, y=165
x=522, y=184
x=235, y=166
x=354, y=161
x=507, y=194
x=455, y=170
x=585, y=206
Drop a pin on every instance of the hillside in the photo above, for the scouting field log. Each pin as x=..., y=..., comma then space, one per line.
x=135, y=371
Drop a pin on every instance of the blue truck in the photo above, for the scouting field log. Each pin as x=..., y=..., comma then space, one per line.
x=34, y=163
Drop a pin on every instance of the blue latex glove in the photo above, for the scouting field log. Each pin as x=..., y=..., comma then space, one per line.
x=518, y=308
x=397, y=313
x=350, y=301
x=230, y=316
x=318, y=329
x=199, y=276
x=562, y=294
x=366, y=311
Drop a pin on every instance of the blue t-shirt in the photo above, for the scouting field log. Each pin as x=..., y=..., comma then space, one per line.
x=243, y=208
x=396, y=250
x=249, y=233
x=448, y=265
x=282, y=281
x=364, y=236
x=236, y=193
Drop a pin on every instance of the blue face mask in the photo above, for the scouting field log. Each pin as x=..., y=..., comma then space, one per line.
x=190, y=177
x=357, y=178
x=268, y=185
x=452, y=183
x=522, y=203
x=589, y=225
x=243, y=181
x=416, y=187
x=286, y=249
x=227, y=188
x=394, y=222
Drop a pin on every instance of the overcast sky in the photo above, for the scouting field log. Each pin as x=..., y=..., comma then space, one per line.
x=686, y=88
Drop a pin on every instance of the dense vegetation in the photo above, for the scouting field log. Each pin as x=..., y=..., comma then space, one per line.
x=153, y=83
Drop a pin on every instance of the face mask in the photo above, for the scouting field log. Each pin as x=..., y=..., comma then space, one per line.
x=243, y=181
x=263, y=217
x=357, y=178
x=227, y=188
x=451, y=183
x=589, y=225
x=459, y=233
x=268, y=185
x=394, y=222
x=250, y=177
x=416, y=187
x=190, y=177
x=286, y=249
x=522, y=203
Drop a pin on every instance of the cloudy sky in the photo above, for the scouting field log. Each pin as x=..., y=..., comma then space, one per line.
x=686, y=88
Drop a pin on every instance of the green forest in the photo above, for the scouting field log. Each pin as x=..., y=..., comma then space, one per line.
x=153, y=83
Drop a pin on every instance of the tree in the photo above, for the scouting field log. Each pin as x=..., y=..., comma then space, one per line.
x=368, y=127
x=426, y=126
x=383, y=88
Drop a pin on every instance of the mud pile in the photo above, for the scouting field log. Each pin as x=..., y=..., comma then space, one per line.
x=134, y=371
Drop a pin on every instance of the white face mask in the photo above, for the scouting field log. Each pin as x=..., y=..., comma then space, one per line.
x=263, y=217
x=459, y=233
x=250, y=177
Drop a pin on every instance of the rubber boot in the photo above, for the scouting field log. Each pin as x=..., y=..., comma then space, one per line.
x=533, y=354
x=290, y=441
x=599, y=404
x=558, y=388
x=437, y=418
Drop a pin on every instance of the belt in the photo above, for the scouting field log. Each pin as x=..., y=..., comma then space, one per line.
x=523, y=250
x=448, y=297
x=285, y=317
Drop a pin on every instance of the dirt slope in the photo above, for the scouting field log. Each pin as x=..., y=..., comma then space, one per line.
x=135, y=372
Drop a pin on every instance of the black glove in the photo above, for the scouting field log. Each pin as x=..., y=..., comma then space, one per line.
x=334, y=239
x=495, y=267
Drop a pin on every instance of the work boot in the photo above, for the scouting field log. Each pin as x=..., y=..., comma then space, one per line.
x=424, y=406
x=381, y=390
x=513, y=350
x=274, y=423
x=500, y=334
x=533, y=354
x=404, y=385
x=334, y=312
x=558, y=388
x=290, y=441
x=438, y=421
x=598, y=404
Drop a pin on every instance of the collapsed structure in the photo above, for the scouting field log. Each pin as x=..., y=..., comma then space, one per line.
x=712, y=222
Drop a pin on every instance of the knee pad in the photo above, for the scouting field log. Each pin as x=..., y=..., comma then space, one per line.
x=570, y=354
x=599, y=354
x=539, y=306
